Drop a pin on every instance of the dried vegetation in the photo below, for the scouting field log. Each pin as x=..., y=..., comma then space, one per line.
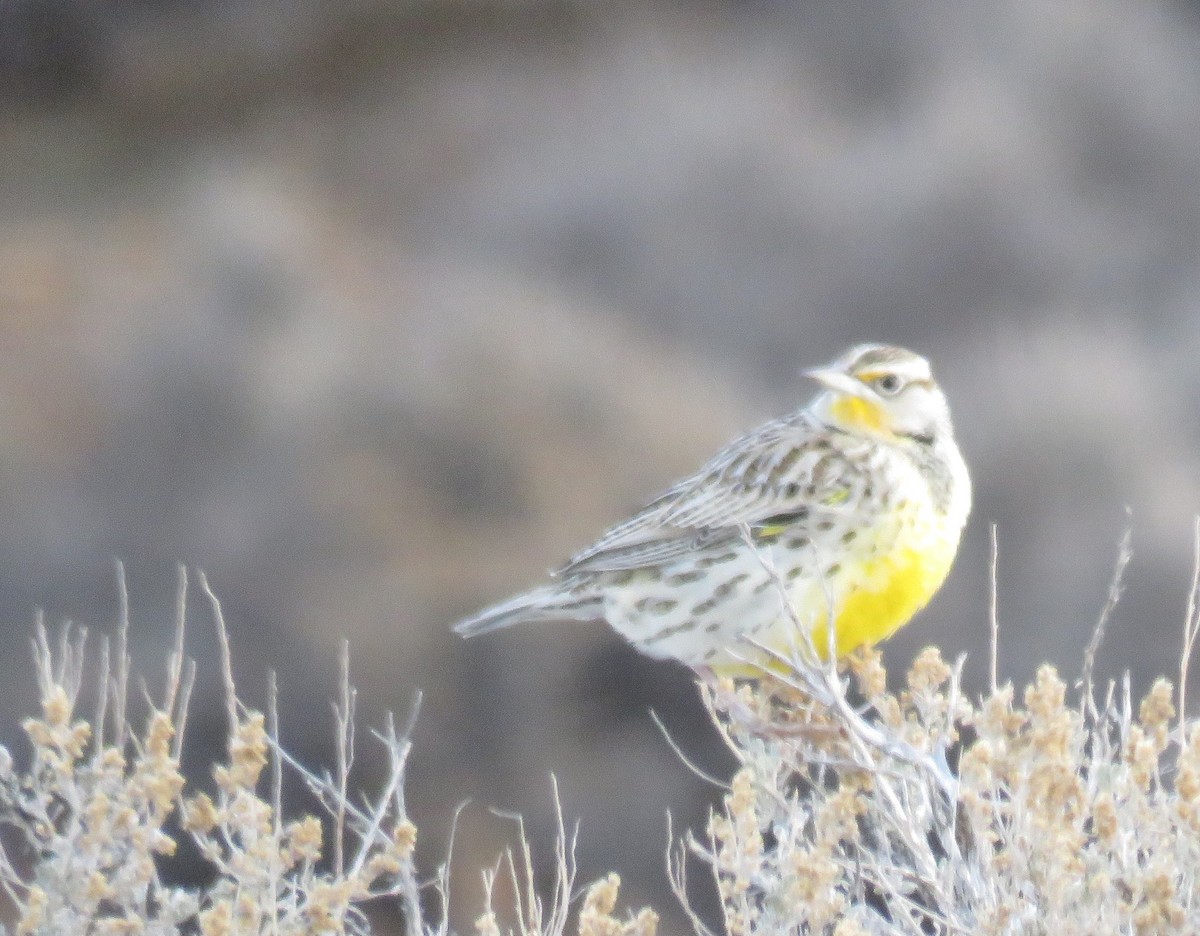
x=854, y=811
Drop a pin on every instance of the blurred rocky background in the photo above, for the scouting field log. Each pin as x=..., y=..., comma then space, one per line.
x=377, y=310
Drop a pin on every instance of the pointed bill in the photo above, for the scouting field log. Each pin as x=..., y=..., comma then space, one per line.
x=837, y=380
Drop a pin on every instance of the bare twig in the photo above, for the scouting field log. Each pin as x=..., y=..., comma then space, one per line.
x=120, y=687
x=183, y=706
x=684, y=759
x=276, y=786
x=993, y=612
x=175, y=661
x=343, y=714
x=677, y=854
x=1115, y=587
x=101, y=713
x=231, y=705
x=1191, y=627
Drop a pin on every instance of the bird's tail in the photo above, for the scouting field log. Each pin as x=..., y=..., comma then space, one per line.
x=549, y=603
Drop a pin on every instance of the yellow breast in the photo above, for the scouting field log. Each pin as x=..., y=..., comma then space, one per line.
x=882, y=594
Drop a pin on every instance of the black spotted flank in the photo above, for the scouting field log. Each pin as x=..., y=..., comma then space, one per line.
x=704, y=607
x=783, y=519
x=725, y=589
x=707, y=562
x=668, y=632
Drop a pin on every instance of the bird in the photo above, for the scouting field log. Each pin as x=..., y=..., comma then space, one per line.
x=845, y=514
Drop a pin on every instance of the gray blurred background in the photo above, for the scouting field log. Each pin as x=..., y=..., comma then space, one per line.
x=377, y=310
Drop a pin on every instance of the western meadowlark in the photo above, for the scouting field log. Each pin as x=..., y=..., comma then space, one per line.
x=854, y=505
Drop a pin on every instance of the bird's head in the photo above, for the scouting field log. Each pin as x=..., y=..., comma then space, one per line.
x=885, y=392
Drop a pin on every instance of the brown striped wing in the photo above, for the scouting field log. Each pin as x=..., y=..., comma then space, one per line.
x=787, y=471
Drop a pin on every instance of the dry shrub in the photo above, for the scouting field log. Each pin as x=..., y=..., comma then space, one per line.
x=854, y=811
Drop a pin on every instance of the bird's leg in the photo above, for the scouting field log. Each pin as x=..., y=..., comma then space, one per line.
x=724, y=695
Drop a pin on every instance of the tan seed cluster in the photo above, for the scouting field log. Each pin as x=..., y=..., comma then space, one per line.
x=929, y=812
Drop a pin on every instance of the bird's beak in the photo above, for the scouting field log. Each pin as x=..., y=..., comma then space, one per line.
x=836, y=380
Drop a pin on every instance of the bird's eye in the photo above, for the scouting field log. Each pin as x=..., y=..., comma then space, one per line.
x=887, y=384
